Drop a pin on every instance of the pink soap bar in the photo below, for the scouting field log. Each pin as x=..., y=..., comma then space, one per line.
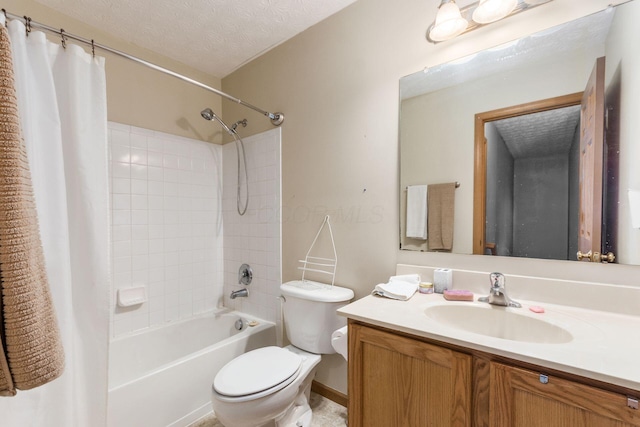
x=458, y=295
x=536, y=309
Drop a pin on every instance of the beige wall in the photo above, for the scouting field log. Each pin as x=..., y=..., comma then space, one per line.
x=137, y=95
x=337, y=83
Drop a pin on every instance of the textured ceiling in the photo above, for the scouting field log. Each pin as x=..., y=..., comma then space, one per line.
x=543, y=134
x=214, y=36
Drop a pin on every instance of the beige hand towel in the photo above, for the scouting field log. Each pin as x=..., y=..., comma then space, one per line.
x=31, y=351
x=440, y=205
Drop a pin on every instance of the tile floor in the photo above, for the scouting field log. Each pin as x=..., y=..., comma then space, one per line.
x=326, y=413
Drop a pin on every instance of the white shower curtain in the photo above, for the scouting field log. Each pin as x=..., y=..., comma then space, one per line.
x=62, y=104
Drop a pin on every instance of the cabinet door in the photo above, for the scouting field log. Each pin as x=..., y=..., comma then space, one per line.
x=398, y=381
x=519, y=398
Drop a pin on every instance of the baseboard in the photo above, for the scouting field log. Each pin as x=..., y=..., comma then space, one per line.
x=329, y=393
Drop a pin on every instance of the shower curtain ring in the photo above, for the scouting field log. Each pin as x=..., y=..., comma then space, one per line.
x=27, y=24
x=5, y=14
x=93, y=48
x=63, y=38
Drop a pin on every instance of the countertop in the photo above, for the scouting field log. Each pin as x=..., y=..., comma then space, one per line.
x=605, y=345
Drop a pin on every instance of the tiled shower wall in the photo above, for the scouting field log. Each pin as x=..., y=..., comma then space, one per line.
x=255, y=237
x=168, y=230
x=166, y=225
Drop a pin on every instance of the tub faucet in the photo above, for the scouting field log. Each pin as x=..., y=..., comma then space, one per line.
x=498, y=293
x=239, y=293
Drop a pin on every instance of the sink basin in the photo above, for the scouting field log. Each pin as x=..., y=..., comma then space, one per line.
x=513, y=324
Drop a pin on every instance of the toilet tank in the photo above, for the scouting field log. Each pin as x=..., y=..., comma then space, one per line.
x=310, y=313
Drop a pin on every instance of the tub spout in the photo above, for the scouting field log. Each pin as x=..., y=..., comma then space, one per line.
x=239, y=293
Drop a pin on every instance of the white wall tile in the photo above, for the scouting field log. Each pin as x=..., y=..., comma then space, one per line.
x=155, y=173
x=138, y=140
x=139, y=202
x=120, y=201
x=139, y=186
x=170, y=161
x=121, y=186
x=120, y=170
x=120, y=153
x=138, y=171
x=138, y=156
x=121, y=217
x=155, y=158
x=148, y=240
x=155, y=144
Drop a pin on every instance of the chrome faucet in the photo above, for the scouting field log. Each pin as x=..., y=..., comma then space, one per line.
x=498, y=293
x=239, y=293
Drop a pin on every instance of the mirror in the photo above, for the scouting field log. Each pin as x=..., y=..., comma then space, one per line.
x=438, y=108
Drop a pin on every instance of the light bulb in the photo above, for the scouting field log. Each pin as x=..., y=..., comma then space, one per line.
x=493, y=10
x=449, y=22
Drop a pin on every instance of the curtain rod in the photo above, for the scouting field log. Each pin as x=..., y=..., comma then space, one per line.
x=276, y=118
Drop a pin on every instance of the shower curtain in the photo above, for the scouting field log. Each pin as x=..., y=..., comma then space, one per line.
x=62, y=104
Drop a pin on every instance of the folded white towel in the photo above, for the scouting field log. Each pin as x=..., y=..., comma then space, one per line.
x=399, y=287
x=417, y=212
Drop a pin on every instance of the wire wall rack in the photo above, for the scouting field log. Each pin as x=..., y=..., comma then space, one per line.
x=318, y=264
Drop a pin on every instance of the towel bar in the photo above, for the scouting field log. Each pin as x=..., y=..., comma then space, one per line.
x=457, y=186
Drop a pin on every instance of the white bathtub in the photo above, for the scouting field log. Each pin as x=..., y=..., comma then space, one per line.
x=162, y=376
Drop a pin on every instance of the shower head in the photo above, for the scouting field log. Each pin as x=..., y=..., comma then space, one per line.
x=208, y=114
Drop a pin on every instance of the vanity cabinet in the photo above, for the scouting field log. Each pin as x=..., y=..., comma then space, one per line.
x=399, y=381
x=524, y=398
x=396, y=379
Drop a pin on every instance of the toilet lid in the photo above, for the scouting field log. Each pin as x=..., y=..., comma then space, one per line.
x=257, y=371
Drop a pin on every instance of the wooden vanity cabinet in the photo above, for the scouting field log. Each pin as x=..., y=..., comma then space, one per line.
x=397, y=380
x=520, y=397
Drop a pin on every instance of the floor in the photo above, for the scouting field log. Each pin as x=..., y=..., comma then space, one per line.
x=326, y=413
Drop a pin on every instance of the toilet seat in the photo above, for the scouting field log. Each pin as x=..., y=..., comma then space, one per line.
x=257, y=373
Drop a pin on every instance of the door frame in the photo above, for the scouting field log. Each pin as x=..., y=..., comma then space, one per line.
x=480, y=154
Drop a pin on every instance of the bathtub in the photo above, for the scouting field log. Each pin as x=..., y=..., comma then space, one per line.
x=162, y=376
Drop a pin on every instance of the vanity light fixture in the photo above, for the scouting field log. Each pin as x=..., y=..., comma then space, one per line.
x=451, y=21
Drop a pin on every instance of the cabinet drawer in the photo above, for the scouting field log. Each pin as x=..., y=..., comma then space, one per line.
x=520, y=397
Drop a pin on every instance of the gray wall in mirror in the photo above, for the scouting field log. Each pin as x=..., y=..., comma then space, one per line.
x=438, y=105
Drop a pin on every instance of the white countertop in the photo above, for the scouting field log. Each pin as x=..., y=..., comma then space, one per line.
x=605, y=345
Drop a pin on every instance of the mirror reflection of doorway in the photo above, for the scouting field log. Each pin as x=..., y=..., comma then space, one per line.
x=527, y=179
x=543, y=173
x=532, y=184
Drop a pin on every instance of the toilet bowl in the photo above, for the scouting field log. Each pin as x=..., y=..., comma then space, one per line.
x=241, y=403
x=270, y=386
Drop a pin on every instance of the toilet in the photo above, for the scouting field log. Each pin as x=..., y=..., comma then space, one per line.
x=270, y=386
